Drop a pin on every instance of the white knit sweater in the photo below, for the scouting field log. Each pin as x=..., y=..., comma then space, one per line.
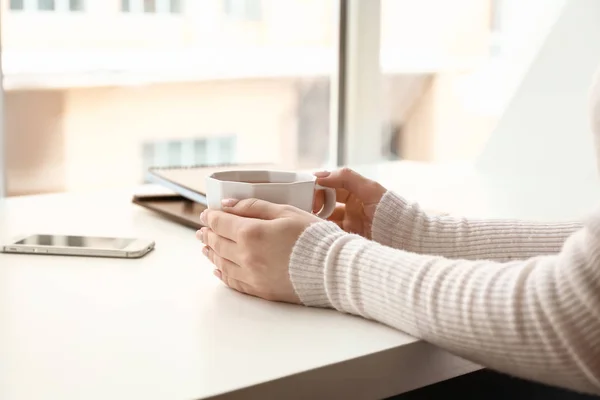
x=521, y=298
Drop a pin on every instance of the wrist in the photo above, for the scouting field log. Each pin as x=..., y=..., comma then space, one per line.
x=393, y=216
x=309, y=263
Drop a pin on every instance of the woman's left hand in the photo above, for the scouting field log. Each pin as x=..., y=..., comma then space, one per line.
x=250, y=242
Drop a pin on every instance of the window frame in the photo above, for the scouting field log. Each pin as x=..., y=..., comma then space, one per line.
x=497, y=11
x=3, y=152
x=356, y=103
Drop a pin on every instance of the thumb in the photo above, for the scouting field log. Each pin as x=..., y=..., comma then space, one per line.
x=356, y=184
x=252, y=208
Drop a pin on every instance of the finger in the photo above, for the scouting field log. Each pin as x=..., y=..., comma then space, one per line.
x=222, y=223
x=253, y=208
x=223, y=265
x=318, y=201
x=341, y=195
x=349, y=180
x=235, y=284
x=223, y=247
x=338, y=214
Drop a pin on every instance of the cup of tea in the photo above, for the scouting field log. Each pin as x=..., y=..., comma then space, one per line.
x=294, y=188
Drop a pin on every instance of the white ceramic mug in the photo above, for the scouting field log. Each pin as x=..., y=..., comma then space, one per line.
x=293, y=188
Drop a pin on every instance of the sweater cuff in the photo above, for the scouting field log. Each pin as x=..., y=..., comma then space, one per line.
x=391, y=212
x=308, y=263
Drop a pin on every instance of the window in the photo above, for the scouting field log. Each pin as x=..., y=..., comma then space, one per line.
x=75, y=5
x=46, y=5
x=496, y=16
x=214, y=150
x=496, y=21
x=149, y=6
x=440, y=86
x=251, y=93
x=152, y=6
x=169, y=91
x=16, y=5
x=214, y=79
x=175, y=6
x=243, y=9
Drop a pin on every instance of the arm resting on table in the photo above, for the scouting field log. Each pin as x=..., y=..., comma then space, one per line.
x=538, y=318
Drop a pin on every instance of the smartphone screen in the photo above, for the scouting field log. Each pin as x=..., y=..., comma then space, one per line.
x=77, y=241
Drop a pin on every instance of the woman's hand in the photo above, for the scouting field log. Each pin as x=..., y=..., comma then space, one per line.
x=250, y=242
x=358, y=198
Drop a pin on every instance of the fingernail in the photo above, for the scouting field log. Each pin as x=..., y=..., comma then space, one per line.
x=322, y=174
x=229, y=202
x=217, y=273
x=199, y=235
x=203, y=217
x=205, y=251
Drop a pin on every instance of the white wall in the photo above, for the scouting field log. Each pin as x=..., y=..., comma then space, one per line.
x=34, y=133
x=541, y=154
x=524, y=27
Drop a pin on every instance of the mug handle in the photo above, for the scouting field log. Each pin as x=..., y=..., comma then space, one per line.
x=330, y=202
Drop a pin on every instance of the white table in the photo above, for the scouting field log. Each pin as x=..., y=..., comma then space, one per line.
x=162, y=327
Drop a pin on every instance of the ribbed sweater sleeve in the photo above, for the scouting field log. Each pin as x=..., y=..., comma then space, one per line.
x=404, y=225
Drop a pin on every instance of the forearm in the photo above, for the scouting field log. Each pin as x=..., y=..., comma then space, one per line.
x=403, y=225
x=537, y=319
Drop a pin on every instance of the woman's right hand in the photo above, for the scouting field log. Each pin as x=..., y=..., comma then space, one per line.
x=357, y=199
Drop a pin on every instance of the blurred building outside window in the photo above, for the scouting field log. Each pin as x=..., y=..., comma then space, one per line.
x=241, y=80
